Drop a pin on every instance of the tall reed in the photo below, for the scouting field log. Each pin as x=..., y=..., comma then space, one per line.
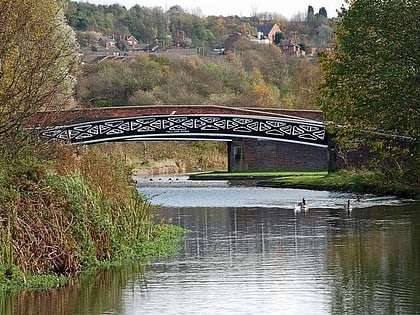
x=73, y=210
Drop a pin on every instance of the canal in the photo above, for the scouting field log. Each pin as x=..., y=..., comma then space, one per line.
x=248, y=251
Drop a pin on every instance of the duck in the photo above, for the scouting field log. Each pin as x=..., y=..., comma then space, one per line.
x=348, y=206
x=301, y=206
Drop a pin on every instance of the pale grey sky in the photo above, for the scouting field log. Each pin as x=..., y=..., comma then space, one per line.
x=286, y=8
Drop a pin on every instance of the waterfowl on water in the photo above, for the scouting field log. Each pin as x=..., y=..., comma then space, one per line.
x=301, y=206
x=348, y=206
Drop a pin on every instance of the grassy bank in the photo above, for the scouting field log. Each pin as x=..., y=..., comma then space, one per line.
x=65, y=211
x=256, y=175
x=359, y=181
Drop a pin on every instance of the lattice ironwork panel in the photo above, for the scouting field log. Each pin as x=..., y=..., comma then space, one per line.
x=191, y=126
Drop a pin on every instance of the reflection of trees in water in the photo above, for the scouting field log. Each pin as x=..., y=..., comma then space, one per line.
x=374, y=262
x=92, y=293
x=372, y=257
x=370, y=260
x=253, y=230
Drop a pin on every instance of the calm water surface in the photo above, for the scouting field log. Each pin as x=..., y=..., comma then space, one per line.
x=249, y=252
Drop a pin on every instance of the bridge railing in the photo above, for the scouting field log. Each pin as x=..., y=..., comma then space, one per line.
x=191, y=126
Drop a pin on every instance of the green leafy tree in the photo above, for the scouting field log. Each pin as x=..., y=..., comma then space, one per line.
x=38, y=61
x=371, y=86
x=278, y=37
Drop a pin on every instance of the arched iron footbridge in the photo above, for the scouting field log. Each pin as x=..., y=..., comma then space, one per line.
x=86, y=126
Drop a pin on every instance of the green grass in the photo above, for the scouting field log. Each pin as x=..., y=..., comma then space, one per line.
x=299, y=179
x=360, y=181
x=270, y=173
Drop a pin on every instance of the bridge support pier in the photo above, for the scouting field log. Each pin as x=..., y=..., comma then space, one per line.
x=236, y=156
x=332, y=156
x=256, y=154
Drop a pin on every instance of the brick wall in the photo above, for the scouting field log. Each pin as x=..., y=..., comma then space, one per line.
x=250, y=154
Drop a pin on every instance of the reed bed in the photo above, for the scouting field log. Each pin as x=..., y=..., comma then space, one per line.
x=73, y=211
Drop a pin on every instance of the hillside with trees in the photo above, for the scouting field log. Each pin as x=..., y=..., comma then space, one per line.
x=257, y=77
x=253, y=75
x=177, y=26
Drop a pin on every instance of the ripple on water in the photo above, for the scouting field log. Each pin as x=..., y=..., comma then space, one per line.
x=186, y=193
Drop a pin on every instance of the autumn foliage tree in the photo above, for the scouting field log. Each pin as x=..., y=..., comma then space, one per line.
x=372, y=86
x=38, y=61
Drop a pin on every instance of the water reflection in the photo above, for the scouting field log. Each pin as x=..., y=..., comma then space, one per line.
x=181, y=192
x=263, y=260
x=374, y=262
x=260, y=259
x=92, y=293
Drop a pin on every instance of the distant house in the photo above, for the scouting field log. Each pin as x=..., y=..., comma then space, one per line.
x=106, y=42
x=104, y=48
x=128, y=43
x=268, y=30
x=132, y=41
x=259, y=39
x=290, y=47
x=110, y=50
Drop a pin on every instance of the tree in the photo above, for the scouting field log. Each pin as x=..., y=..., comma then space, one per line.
x=37, y=60
x=311, y=12
x=278, y=37
x=323, y=12
x=371, y=87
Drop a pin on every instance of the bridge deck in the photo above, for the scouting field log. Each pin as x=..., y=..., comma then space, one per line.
x=74, y=116
x=157, y=123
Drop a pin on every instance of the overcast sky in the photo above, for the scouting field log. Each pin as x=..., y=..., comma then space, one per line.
x=286, y=8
